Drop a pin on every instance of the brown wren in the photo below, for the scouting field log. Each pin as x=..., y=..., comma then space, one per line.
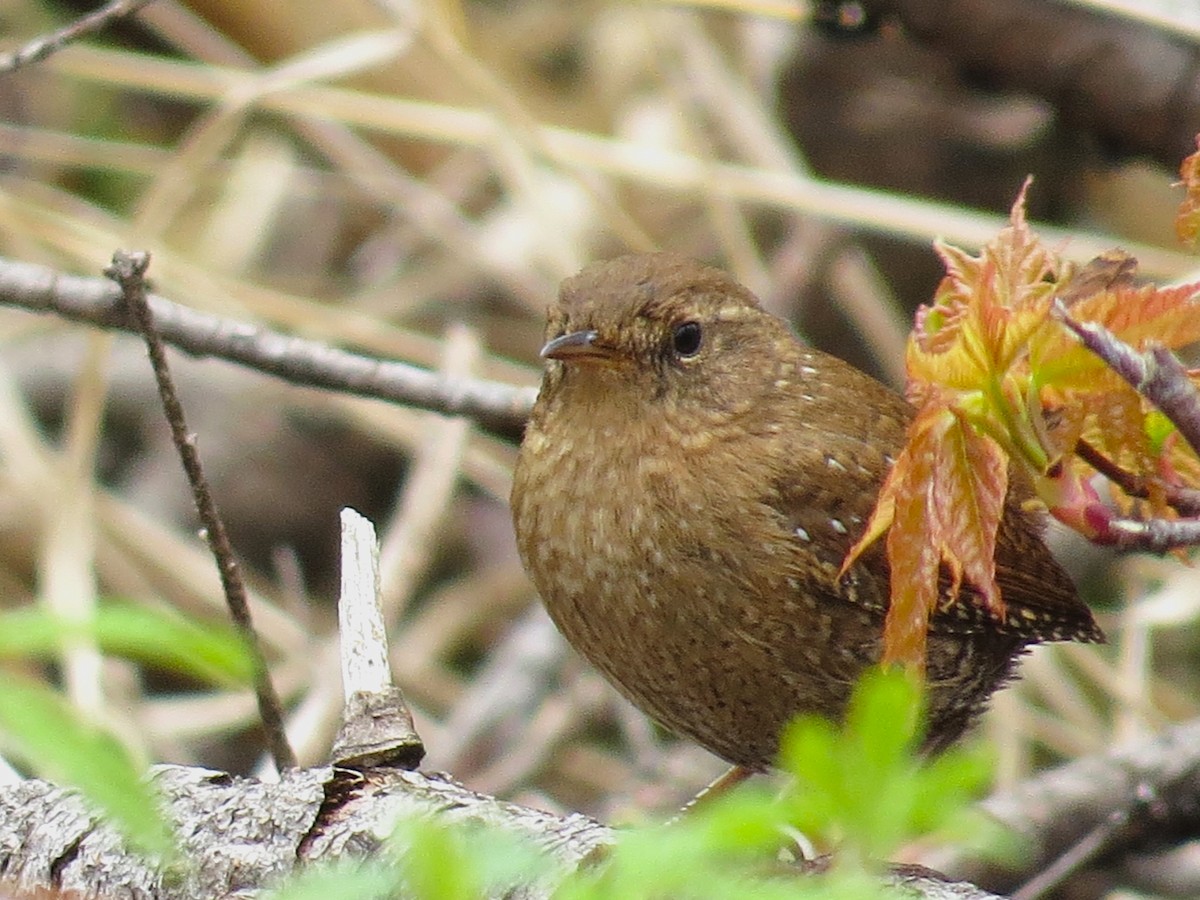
x=689, y=484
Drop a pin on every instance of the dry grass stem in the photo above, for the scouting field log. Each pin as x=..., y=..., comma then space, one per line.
x=380, y=180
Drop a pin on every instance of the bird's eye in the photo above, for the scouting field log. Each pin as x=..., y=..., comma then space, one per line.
x=686, y=339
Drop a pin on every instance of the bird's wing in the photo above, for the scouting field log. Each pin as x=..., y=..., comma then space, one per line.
x=825, y=515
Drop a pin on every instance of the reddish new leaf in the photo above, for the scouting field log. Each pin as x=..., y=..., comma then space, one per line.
x=913, y=553
x=971, y=483
x=1112, y=422
x=984, y=312
x=1187, y=220
x=1166, y=315
x=940, y=506
x=997, y=380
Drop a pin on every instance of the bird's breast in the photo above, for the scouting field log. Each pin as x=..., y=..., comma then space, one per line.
x=641, y=527
x=587, y=510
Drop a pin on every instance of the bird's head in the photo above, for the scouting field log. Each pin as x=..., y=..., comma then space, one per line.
x=661, y=331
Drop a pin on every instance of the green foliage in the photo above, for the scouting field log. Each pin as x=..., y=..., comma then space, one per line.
x=159, y=638
x=57, y=743
x=729, y=848
x=426, y=860
x=448, y=863
x=866, y=791
x=860, y=791
x=38, y=726
x=437, y=864
x=345, y=878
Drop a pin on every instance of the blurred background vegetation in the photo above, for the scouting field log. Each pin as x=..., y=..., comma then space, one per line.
x=412, y=180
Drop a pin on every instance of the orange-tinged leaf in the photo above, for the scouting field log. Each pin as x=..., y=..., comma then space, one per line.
x=1060, y=422
x=984, y=311
x=1022, y=262
x=936, y=327
x=1059, y=362
x=971, y=483
x=1187, y=220
x=1124, y=427
x=1167, y=315
x=1008, y=329
x=940, y=506
x=1116, y=425
x=949, y=366
x=994, y=376
x=912, y=547
x=881, y=517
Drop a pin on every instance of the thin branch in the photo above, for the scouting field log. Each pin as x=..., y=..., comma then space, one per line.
x=41, y=47
x=1159, y=377
x=1156, y=374
x=1075, y=858
x=1121, y=357
x=1171, y=390
x=1185, y=501
x=498, y=408
x=1151, y=535
x=1135, y=796
x=128, y=270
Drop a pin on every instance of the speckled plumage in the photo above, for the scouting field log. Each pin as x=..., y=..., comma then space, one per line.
x=684, y=516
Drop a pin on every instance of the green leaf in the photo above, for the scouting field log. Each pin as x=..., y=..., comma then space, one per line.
x=210, y=653
x=39, y=727
x=437, y=865
x=745, y=821
x=342, y=878
x=809, y=752
x=439, y=861
x=866, y=788
x=676, y=861
x=883, y=719
x=1158, y=429
x=428, y=860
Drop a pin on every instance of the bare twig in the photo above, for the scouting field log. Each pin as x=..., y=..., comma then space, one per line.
x=41, y=47
x=498, y=408
x=1156, y=374
x=1152, y=535
x=1085, y=850
x=1126, y=797
x=128, y=270
x=1169, y=388
x=1159, y=377
x=1185, y=501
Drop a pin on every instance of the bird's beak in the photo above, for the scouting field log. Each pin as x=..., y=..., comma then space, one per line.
x=577, y=345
